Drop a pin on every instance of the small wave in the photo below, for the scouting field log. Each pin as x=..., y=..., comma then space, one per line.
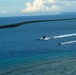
x=69, y=42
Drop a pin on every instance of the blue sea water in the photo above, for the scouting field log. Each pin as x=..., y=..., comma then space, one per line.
x=20, y=45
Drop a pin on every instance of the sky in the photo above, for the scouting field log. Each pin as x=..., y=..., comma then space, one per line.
x=35, y=7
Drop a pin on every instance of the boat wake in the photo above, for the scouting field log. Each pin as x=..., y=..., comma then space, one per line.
x=63, y=36
x=47, y=38
x=69, y=42
x=58, y=37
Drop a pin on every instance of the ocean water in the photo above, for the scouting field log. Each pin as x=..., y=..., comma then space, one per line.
x=19, y=45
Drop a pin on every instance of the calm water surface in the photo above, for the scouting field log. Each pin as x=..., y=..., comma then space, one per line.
x=20, y=45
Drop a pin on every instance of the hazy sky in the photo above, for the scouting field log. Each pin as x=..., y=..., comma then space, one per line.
x=36, y=7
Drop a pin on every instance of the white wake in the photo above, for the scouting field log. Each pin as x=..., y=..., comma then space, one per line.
x=47, y=38
x=69, y=42
x=63, y=36
x=57, y=37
